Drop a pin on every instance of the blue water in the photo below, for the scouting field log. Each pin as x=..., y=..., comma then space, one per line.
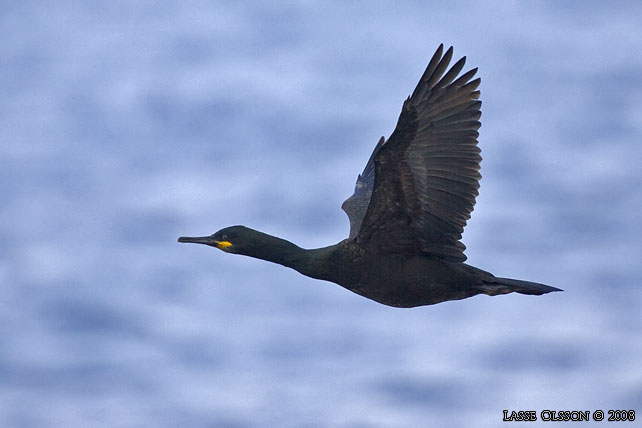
x=124, y=125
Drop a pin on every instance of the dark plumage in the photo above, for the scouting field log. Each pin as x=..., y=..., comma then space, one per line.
x=409, y=207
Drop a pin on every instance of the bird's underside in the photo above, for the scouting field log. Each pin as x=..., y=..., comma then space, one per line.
x=408, y=280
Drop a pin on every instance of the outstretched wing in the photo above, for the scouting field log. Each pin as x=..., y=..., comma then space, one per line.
x=426, y=175
x=357, y=204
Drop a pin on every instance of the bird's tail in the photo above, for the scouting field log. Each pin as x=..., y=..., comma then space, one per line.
x=507, y=285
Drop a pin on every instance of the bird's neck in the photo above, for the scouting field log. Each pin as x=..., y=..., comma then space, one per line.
x=277, y=250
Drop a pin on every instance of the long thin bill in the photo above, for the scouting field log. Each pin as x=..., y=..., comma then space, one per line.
x=196, y=239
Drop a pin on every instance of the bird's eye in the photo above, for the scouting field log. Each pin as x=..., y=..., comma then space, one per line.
x=224, y=238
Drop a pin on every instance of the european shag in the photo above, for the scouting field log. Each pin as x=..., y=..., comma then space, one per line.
x=409, y=207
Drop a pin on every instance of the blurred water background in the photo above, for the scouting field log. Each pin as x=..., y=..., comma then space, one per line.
x=124, y=125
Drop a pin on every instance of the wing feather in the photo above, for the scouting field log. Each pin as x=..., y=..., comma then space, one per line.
x=425, y=178
x=357, y=204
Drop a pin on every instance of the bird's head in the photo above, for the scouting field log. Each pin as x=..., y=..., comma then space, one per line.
x=249, y=242
x=232, y=239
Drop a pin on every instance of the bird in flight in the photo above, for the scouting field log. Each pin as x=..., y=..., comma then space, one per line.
x=409, y=207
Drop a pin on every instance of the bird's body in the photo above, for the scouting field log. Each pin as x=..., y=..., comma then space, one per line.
x=409, y=207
